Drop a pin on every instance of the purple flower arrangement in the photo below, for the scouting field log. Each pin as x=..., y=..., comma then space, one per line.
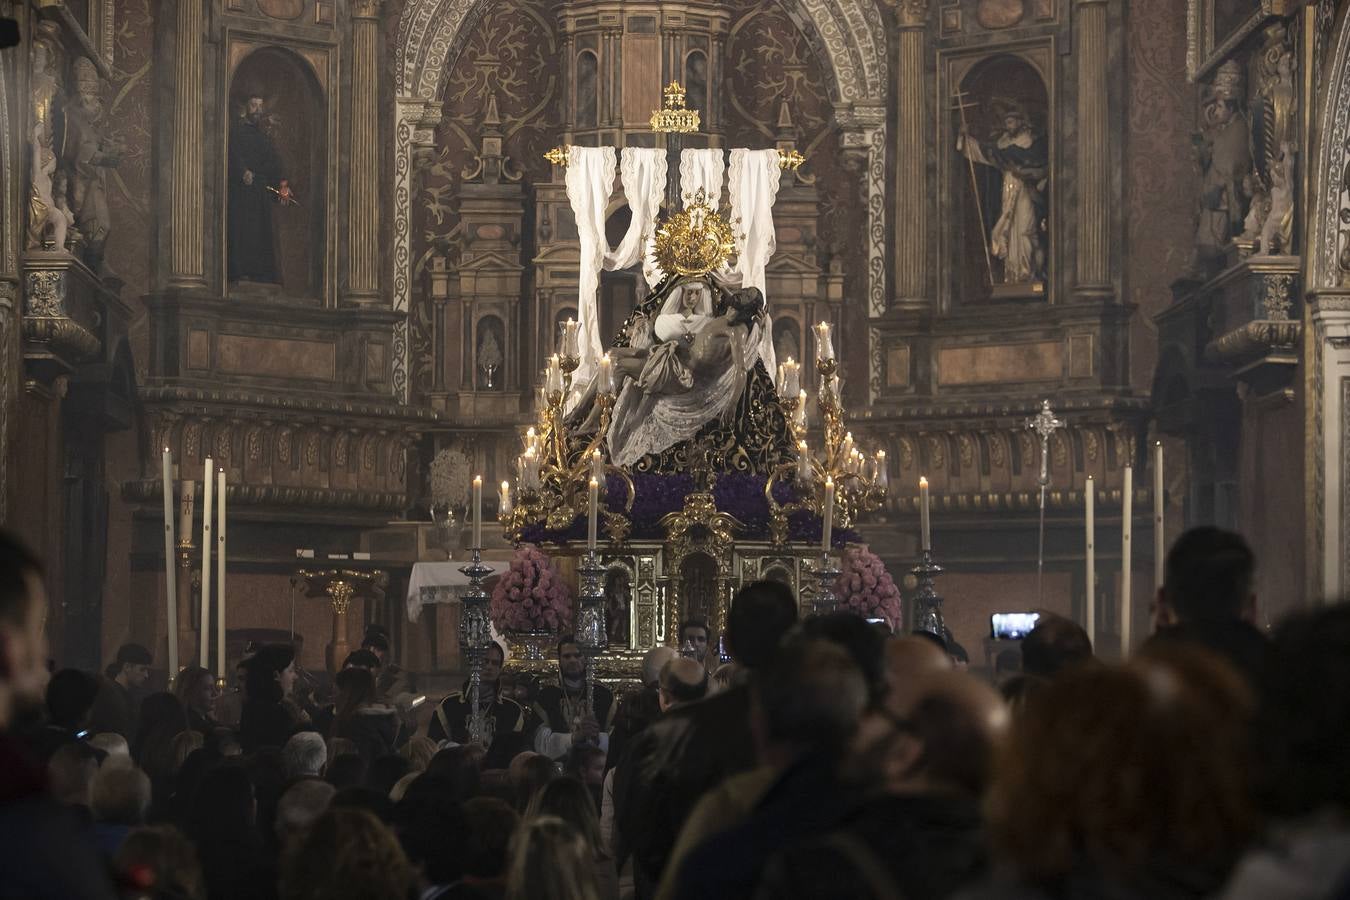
x=866, y=588
x=531, y=595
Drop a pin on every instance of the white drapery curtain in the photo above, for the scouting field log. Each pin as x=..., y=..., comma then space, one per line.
x=702, y=169
x=753, y=188
x=590, y=181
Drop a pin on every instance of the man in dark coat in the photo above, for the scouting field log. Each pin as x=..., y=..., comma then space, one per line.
x=561, y=708
x=691, y=749
x=118, y=704
x=256, y=181
x=505, y=719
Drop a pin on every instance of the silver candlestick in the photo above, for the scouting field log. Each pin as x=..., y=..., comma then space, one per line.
x=826, y=600
x=591, y=637
x=475, y=636
x=927, y=601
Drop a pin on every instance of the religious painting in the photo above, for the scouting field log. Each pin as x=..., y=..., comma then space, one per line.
x=276, y=156
x=1215, y=27
x=618, y=605
x=1001, y=182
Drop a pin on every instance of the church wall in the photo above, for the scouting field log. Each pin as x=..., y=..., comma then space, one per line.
x=1160, y=178
x=1271, y=515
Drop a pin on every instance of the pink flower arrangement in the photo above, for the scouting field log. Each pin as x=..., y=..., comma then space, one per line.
x=866, y=588
x=531, y=595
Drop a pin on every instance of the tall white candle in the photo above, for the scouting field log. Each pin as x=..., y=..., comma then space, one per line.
x=799, y=414
x=477, y=512
x=597, y=465
x=1159, y=504
x=925, y=534
x=803, y=463
x=1090, y=607
x=827, y=528
x=220, y=575
x=186, y=509
x=592, y=513
x=1126, y=528
x=792, y=379
x=505, y=500
x=824, y=342
x=208, y=547
x=606, y=375
x=883, y=476
x=170, y=570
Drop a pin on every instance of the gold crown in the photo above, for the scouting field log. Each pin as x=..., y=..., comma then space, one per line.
x=695, y=241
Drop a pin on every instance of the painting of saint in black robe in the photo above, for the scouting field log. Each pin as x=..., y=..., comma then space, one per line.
x=257, y=181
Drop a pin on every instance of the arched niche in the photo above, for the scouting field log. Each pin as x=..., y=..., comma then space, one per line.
x=489, y=354
x=696, y=81
x=294, y=121
x=1001, y=94
x=588, y=89
x=787, y=339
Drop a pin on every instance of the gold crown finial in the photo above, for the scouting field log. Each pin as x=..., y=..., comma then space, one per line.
x=674, y=117
x=695, y=241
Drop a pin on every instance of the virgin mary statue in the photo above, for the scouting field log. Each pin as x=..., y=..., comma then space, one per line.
x=691, y=377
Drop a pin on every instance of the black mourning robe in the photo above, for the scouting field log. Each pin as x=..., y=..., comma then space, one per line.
x=252, y=247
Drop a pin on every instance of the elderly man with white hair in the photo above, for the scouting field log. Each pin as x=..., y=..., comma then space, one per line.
x=304, y=755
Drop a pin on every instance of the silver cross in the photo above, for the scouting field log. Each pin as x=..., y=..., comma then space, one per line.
x=1045, y=423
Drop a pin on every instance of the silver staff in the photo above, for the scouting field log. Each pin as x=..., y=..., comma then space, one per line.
x=1044, y=423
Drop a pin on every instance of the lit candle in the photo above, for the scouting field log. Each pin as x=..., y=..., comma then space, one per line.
x=593, y=513
x=569, y=347
x=1126, y=528
x=848, y=444
x=1090, y=607
x=1159, y=503
x=208, y=545
x=530, y=469
x=478, y=512
x=824, y=343
x=553, y=383
x=506, y=500
x=781, y=377
x=597, y=465
x=220, y=574
x=925, y=534
x=170, y=570
x=883, y=476
x=606, y=375
x=530, y=439
x=792, y=378
x=827, y=526
x=803, y=463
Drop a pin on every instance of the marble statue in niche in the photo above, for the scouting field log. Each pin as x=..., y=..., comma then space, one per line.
x=1224, y=159
x=1007, y=161
x=257, y=182
x=45, y=213
x=89, y=153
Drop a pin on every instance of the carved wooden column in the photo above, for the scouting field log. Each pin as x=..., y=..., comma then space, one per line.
x=1094, y=213
x=363, y=205
x=911, y=191
x=187, y=259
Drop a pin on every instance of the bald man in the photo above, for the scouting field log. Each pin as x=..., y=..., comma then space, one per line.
x=924, y=829
x=683, y=680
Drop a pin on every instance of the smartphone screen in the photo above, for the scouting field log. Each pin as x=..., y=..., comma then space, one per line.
x=1012, y=626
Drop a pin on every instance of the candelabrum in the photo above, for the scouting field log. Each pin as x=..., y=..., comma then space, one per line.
x=553, y=472
x=591, y=636
x=927, y=601
x=475, y=636
x=860, y=481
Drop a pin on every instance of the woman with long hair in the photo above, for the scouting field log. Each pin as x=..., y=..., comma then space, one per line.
x=195, y=688
x=568, y=799
x=268, y=719
x=550, y=861
x=359, y=717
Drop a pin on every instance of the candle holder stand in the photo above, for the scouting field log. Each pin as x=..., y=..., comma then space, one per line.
x=927, y=601
x=475, y=636
x=826, y=600
x=591, y=636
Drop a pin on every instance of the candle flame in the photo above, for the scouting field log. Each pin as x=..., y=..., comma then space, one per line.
x=594, y=484
x=478, y=481
x=506, y=487
x=923, y=482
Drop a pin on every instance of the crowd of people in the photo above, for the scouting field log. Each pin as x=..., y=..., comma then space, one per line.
x=831, y=759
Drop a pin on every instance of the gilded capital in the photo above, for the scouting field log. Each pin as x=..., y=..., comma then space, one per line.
x=366, y=9
x=910, y=13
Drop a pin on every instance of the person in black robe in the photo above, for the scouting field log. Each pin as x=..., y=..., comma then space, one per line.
x=256, y=181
